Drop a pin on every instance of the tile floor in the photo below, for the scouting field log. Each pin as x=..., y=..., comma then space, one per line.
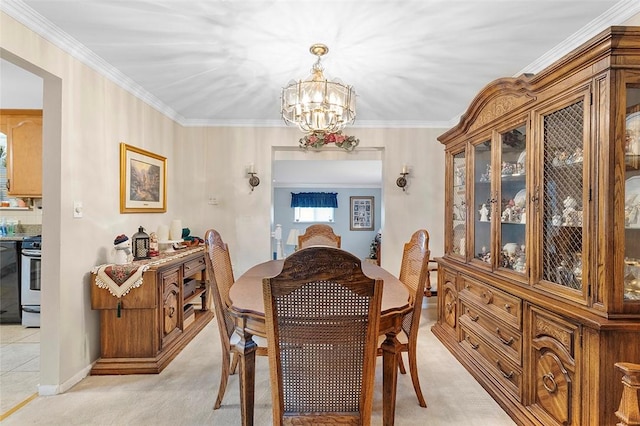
x=19, y=365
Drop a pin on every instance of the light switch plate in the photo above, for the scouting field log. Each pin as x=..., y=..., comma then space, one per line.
x=77, y=209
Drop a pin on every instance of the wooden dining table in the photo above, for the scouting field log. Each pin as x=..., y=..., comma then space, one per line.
x=248, y=310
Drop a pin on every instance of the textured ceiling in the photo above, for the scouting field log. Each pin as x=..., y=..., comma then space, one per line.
x=412, y=63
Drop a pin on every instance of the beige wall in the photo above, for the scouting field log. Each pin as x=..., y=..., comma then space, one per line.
x=244, y=217
x=87, y=116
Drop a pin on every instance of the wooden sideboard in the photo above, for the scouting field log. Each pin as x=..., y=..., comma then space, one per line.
x=154, y=321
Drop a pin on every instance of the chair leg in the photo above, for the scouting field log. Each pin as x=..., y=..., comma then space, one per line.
x=224, y=377
x=234, y=363
x=413, y=368
x=401, y=363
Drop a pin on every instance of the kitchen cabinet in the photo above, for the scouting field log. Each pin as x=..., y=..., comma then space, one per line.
x=142, y=331
x=540, y=279
x=24, y=151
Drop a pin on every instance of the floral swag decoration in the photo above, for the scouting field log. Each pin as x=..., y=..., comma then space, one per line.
x=320, y=139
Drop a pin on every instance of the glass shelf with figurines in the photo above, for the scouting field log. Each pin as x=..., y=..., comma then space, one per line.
x=632, y=279
x=513, y=257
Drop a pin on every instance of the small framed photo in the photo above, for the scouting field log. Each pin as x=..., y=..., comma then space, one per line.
x=361, y=214
x=143, y=181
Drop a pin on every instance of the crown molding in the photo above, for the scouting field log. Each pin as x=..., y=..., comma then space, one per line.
x=616, y=15
x=368, y=124
x=37, y=23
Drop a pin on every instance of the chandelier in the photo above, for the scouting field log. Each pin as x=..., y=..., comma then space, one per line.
x=317, y=105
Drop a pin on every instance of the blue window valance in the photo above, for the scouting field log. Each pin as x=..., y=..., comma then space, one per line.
x=314, y=199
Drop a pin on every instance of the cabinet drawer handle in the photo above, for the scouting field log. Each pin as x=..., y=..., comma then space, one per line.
x=474, y=319
x=487, y=296
x=502, y=339
x=507, y=307
x=467, y=286
x=172, y=311
x=548, y=378
x=473, y=346
x=508, y=375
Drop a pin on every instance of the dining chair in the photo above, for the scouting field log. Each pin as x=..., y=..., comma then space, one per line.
x=220, y=276
x=319, y=235
x=322, y=315
x=414, y=273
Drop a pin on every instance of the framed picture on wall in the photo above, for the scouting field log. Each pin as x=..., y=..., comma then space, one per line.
x=361, y=214
x=143, y=181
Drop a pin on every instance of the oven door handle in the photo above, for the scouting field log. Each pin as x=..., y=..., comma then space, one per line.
x=31, y=253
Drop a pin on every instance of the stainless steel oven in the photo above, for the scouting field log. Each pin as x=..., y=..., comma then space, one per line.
x=31, y=281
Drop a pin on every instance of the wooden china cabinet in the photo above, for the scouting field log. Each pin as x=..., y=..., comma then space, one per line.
x=540, y=281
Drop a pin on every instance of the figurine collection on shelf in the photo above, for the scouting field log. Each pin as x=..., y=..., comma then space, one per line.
x=569, y=274
x=631, y=279
x=486, y=176
x=571, y=216
x=512, y=169
x=484, y=255
x=460, y=211
x=562, y=157
x=513, y=212
x=513, y=257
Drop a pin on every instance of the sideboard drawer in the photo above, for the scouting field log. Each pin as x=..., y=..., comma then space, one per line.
x=502, y=305
x=502, y=369
x=193, y=266
x=503, y=337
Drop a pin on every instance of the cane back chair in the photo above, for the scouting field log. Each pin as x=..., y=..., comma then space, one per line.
x=414, y=273
x=319, y=235
x=322, y=315
x=220, y=276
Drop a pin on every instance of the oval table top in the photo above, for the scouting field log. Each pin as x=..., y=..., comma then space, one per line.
x=246, y=292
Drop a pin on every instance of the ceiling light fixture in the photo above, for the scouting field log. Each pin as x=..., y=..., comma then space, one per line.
x=317, y=105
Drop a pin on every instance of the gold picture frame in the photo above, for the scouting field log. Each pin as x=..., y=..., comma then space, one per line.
x=361, y=214
x=143, y=181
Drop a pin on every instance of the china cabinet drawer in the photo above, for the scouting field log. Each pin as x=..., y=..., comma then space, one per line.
x=501, y=336
x=505, y=307
x=193, y=266
x=508, y=374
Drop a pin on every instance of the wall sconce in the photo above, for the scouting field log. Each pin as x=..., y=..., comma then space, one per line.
x=402, y=180
x=253, y=180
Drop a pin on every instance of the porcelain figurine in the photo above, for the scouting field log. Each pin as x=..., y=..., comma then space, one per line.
x=484, y=213
x=122, y=246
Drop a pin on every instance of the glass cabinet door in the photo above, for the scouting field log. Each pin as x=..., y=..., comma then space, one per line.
x=632, y=194
x=459, y=197
x=513, y=200
x=562, y=189
x=482, y=202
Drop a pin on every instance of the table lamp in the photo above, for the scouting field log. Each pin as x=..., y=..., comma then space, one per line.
x=292, y=239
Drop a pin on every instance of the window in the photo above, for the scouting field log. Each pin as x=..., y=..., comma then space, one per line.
x=313, y=214
x=314, y=206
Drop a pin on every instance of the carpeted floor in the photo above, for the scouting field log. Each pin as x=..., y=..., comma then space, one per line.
x=184, y=392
